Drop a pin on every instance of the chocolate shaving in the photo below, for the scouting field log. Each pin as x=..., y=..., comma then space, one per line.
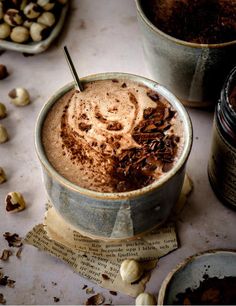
x=96, y=299
x=13, y=240
x=2, y=299
x=18, y=253
x=5, y=255
x=85, y=127
x=114, y=126
x=56, y=299
x=3, y=281
x=84, y=287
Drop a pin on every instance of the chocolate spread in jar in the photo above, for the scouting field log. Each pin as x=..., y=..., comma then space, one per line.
x=115, y=136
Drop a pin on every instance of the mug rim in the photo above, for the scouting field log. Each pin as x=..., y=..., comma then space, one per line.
x=177, y=40
x=177, y=105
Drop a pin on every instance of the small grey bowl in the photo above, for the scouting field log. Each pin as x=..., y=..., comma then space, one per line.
x=37, y=47
x=123, y=215
x=189, y=274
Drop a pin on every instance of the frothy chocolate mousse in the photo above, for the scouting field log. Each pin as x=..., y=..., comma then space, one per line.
x=115, y=136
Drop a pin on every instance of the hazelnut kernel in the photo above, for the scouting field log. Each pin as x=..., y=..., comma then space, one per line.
x=130, y=270
x=27, y=23
x=47, y=19
x=13, y=17
x=5, y=30
x=15, y=202
x=20, y=34
x=32, y=10
x=3, y=134
x=3, y=72
x=47, y=5
x=145, y=299
x=19, y=96
x=3, y=111
x=38, y=31
x=3, y=177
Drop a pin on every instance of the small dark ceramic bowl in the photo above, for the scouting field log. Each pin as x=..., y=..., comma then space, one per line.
x=115, y=215
x=189, y=274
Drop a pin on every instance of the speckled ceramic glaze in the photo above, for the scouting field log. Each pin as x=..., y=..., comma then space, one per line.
x=188, y=274
x=115, y=215
x=194, y=72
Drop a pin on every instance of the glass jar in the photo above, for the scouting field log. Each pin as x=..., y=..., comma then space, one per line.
x=222, y=162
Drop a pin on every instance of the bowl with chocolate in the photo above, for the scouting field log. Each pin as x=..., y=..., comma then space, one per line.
x=207, y=278
x=189, y=46
x=113, y=155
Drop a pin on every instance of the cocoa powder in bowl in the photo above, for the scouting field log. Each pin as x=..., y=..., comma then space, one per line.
x=196, y=21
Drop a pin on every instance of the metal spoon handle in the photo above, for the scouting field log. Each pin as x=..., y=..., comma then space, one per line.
x=72, y=69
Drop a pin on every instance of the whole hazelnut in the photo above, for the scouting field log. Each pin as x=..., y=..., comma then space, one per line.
x=130, y=270
x=5, y=30
x=47, y=19
x=13, y=17
x=3, y=177
x=38, y=31
x=19, y=34
x=32, y=10
x=3, y=134
x=19, y=96
x=145, y=299
x=3, y=111
x=14, y=202
x=3, y=72
x=47, y=5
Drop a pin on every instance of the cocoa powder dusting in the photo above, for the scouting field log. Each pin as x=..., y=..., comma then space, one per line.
x=212, y=291
x=197, y=21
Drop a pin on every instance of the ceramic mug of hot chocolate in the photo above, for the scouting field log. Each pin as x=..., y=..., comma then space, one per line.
x=193, y=71
x=114, y=155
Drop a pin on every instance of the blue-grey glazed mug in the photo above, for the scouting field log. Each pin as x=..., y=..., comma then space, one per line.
x=194, y=72
x=115, y=215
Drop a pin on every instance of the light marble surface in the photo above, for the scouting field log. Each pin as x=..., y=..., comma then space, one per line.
x=102, y=36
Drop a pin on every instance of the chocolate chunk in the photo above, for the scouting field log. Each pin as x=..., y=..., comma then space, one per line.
x=105, y=277
x=56, y=299
x=13, y=240
x=115, y=81
x=124, y=85
x=113, y=292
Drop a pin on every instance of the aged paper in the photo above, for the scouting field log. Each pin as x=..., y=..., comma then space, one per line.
x=91, y=267
x=100, y=261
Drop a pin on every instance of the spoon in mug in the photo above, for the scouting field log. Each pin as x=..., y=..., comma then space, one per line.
x=72, y=69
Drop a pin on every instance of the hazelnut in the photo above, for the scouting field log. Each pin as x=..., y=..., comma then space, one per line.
x=19, y=96
x=130, y=270
x=38, y=31
x=3, y=177
x=47, y=19
x=3, y=111
x=27, y=23
x=20, y=34
x=3, y=134
x=5, y=30
x=145, y=299
x=47, y=5
x=14, y=202
x=13, y=17
x=32, y=10
x=3, y=72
